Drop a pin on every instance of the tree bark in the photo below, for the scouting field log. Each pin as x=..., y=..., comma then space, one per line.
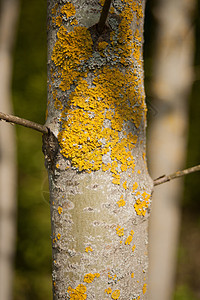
x=100, y=190
x=8, y=198
x=171, y=84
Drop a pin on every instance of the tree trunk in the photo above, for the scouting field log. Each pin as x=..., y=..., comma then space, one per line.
x=171, y=84
x=8, y=198
x=100, y=190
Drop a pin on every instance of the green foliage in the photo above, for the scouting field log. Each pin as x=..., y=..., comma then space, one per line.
x=33, y=258
x=29, y=84
x=184, y=293
x=192, y=188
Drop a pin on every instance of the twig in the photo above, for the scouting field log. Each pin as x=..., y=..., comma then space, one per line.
x=23, y=122
x=104, y=15
x=165, y=178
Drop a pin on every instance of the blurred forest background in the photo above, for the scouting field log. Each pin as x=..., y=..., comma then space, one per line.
x=32, y=278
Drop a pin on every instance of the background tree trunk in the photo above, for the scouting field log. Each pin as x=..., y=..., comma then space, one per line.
x=172, y=80
x=99, y=185
x=8, y=198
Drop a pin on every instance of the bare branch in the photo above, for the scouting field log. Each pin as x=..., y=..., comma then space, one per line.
x=104, y=15
x=165, y=178
x=23, y=122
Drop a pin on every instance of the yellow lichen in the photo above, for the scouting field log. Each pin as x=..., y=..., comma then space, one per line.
x=90, y=277
x=54, y=9
x=101, y=2
x=135, y=186
x=128, y=240
x=137, y=36
x=59, y=210
x=108, y=291
x=116, y=179
x=68, y=9
x=58, y=104
x=72, y=47
x=102, y=45
x=69, y=50
x=115, y=294
x=74, y=22
x=144, y=155
x=144, y=289
x=132, y=275
x=58, y=236
x=137, y=7
x=106, y=167
x=58, y=21
x=81, y=138
x=133, y=248
x=112, y=10
x=101, y=106
x=124, y=185
x=121, y=202
x=79, y=293
x=120, y=231
x=142, y=203
x=87, y=249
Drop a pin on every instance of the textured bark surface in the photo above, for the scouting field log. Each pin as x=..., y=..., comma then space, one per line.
x=100, y=190
x=172, y=80
x=8, y=19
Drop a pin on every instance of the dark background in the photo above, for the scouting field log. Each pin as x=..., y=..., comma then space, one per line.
x=32, y=279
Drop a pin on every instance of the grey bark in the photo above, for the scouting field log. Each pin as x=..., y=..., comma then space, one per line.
x=171, y=84
x=99, y=212
x=8, y=20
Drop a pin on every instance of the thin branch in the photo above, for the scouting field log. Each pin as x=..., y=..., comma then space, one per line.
x=165, y=178
x=104, y=15
x=23, y=122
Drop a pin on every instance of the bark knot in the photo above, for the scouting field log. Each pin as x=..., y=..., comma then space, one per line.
x=50, y=148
